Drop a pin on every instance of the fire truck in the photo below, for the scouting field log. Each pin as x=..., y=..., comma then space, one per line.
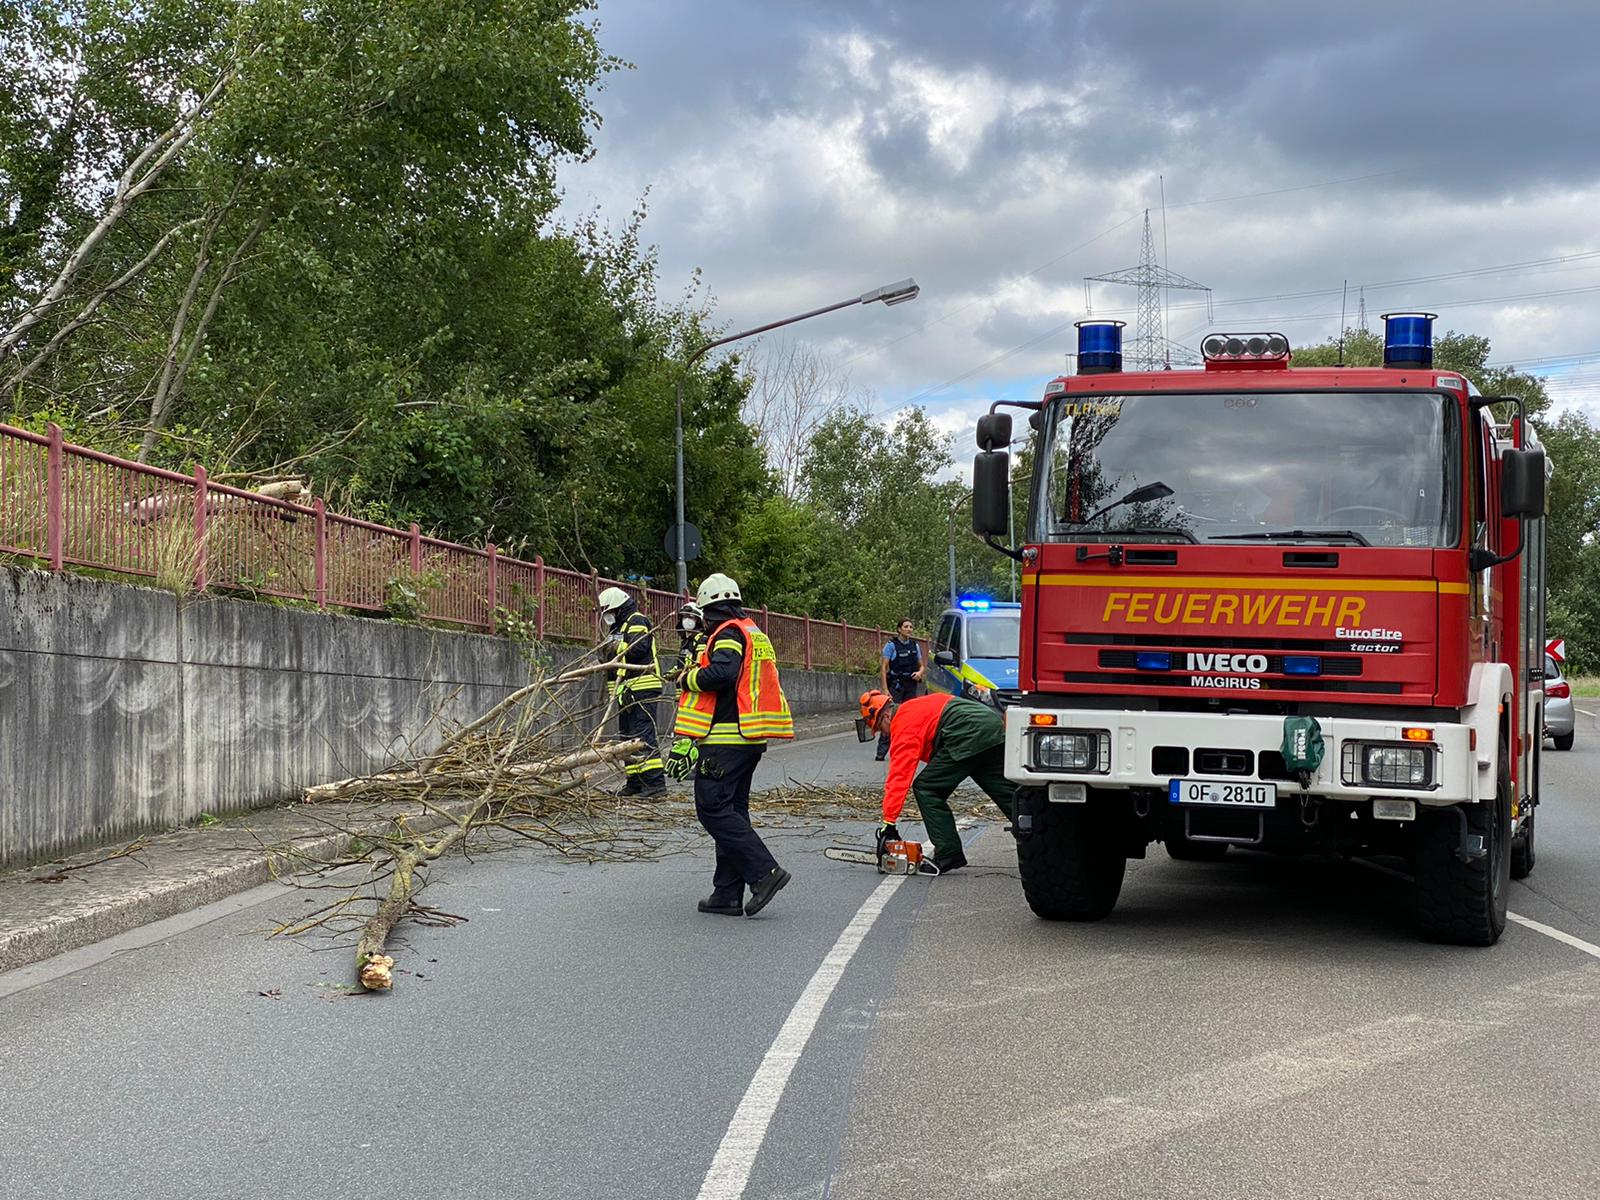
x=1290, y=609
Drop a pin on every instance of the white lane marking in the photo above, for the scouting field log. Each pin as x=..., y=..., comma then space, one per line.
x=1550, y=931
x=1586, y=712
x=736, y=1156
x=1576, y=943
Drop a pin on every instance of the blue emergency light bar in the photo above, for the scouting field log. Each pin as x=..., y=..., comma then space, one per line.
x=1408, y=339
x=1302, y=664
x=1099, y=346
x=1153, y=660
x=973, y=604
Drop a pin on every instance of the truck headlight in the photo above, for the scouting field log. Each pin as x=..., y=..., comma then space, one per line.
x=1387, y=764
x=1082, y=750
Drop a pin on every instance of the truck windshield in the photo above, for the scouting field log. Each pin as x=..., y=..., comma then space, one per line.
x=994, y=636
x=1376, y=468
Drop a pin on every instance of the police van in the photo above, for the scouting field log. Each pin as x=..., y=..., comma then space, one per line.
x=975, y=650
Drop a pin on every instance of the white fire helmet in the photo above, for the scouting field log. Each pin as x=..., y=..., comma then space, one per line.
x=610, y=601
x=716, y=588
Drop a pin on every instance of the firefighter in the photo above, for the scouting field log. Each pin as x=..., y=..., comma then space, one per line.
x=637, y=690
x=958, y=739
x=900, y=672
x=729, y=706
x=691, y=635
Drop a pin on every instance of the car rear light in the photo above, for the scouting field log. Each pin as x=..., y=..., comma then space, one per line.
x=1560, y=690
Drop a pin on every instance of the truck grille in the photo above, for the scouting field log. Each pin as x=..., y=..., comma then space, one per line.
x=1126, y=660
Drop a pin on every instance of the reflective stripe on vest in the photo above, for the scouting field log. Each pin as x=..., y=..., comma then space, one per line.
x=638, y=681
x=763, y=709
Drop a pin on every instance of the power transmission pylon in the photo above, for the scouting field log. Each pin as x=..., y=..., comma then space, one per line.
x=1151, y=349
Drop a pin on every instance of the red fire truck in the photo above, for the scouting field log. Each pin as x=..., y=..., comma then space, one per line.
x=1290, y=609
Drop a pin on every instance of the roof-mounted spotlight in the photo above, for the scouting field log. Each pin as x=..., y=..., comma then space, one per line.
x=1245, y=350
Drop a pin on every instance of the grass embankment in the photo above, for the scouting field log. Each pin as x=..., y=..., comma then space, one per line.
x=1585, y=685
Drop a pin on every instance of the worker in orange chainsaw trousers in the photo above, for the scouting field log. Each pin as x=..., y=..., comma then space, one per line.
x=958, y=740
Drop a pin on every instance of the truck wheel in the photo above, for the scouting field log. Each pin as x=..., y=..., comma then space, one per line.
x=1185, y=850
x=1072, y=864
x=1522, y=853
x=1464, y=903
x=1564, y=742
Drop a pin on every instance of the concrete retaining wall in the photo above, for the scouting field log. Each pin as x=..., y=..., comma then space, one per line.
x=126, y=709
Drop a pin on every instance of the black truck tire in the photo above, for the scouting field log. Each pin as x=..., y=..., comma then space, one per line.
x=1464, y=903
x=1522, y=850
x=1072, y=863
x=1186, y=850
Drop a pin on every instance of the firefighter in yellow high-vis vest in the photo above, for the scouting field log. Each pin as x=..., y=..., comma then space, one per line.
x=637, y=687
x=730, y=704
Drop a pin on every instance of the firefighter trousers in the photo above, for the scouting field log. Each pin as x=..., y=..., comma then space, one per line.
x=970, y=744
x=722, y=802
x=636, y=718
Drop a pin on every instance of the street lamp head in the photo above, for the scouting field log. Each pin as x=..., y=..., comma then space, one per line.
x=893, y=293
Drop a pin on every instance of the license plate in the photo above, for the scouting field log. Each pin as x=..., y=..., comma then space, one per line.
x=1230, y=795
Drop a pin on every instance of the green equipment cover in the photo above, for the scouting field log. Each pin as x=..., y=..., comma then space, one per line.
x=1302, y=747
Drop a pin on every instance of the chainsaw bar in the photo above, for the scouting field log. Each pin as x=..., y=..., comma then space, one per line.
x=845, y=854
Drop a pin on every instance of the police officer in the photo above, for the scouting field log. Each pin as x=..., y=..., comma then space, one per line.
x=730, y=704
x=637, y=690
x=900, y=672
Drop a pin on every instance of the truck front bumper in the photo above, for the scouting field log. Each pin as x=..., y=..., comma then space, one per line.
x=1151, y=749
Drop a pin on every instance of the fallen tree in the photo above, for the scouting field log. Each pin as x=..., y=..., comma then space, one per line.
x=525, y=769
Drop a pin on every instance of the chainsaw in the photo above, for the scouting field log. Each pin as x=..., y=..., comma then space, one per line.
x=898, y=858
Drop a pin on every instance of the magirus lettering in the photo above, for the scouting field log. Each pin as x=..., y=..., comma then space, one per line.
x=1231, y=683
x=1243, y=664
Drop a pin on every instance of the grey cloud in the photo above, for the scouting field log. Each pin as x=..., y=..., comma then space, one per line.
x=1485, y=118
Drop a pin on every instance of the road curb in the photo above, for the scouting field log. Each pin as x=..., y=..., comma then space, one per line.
x=142, y=906
x=226, y=874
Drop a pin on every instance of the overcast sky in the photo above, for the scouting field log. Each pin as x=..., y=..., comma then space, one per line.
x=999, y=152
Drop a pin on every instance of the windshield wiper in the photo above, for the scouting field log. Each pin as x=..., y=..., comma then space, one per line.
x=1320, y=535
x=1139, y=495
x=1145, y=531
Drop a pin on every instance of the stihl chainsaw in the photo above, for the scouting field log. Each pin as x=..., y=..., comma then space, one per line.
x=898, y=858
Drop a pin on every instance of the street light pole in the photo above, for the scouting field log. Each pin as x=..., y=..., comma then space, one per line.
x=950, y=530
x=890, y=294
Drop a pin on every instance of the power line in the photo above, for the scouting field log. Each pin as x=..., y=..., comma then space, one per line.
x=1046, y=265
x=1275, y=320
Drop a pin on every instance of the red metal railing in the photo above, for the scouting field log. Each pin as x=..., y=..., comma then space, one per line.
x=68, y=505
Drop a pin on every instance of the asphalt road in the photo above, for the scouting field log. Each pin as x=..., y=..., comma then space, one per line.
x=1253, y=1028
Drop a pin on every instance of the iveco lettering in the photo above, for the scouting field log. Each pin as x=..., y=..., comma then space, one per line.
x=1289, y=609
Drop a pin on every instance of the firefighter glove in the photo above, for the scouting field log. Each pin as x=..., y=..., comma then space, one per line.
x=887, y=832
x=682, y=759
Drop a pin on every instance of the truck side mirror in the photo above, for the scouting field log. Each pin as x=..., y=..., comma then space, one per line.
x=1522, y=483
x=991, y=493
x=994, y=431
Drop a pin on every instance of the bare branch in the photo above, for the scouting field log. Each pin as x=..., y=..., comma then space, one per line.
x=87, y=312
x=140, y=175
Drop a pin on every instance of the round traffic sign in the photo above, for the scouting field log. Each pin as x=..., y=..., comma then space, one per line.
x=691, y=542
